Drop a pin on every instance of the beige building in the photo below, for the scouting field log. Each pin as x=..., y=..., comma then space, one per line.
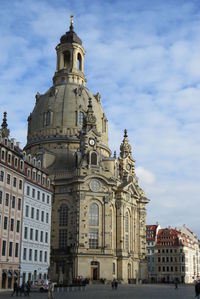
x=11, y=204
x=98, y=214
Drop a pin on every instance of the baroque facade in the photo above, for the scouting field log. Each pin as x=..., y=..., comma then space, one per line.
x=98, y=209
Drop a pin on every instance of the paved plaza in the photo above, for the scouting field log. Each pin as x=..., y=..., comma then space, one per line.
x=123, y=292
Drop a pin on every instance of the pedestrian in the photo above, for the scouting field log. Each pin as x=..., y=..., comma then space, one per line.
x=113, y=284
x=116, y=284
x=27, y=288
x=197, y=289
x=15, y=288
x=176, y=284
x=22, y=289
x=51, y=290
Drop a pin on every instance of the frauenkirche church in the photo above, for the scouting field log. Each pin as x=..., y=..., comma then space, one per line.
x=98, y=210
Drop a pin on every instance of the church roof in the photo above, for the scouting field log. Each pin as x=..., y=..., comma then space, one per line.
x=70, y=36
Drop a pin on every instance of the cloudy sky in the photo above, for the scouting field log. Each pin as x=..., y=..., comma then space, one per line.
x=144, y=58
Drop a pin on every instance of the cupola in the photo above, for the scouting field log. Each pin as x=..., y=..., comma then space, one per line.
x=70, y=59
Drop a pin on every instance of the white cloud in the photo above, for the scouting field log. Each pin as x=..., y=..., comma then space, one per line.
x=146, y=177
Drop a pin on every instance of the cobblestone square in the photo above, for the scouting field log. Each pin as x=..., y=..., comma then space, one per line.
x=123, y=291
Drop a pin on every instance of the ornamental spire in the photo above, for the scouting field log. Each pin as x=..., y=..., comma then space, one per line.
x=71, y=23
x=4, y=126
x=90, y=121
x=125, y=147
x=4, y=123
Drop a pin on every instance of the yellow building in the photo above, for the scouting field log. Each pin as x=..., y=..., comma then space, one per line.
x=98, y=214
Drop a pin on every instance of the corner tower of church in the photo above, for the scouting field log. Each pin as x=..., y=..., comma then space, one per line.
x=98, y=209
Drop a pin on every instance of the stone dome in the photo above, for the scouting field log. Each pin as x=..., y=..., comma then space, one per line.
x=59, y=114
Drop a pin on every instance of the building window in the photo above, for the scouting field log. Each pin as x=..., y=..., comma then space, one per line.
x=48, y=118
x=5, y=225
x=79, y=62
x=33, y=193
x=41, y=236
x=9, y=158
x=113, y=268
x=27, y=211
x=28, y=173
x=21, y=165
x=25, y=232
x=37, y=214
x=63, y=238
x=35, y=255
x=18, y=226
x=7, y=199
x=4, y=248
x=43, y=197
x=66, y=56
x=32, y=213
x=40, y=255
x=93, y=221
x=94, y=214
x=8, y=179
x=16, y=249
x=15, y=182
x=38, y=178
x=30, y=254
x=20, y=184
x=31, y=234
x=45, y=256
x=47, y=199
x=36, y=235
x=127, y=231
x=3, y=155
x=16, y=162
x=24, y=254
x=63, y=215
x=28, y=190
x=38, y=195
x=1, y=196
x=34, y=175
x=10, y=248
x=93, y=237
x=46, y=237
x=80, y=119
x=42, y=216
x=12, y=224
x=47, y=217
x=1, y=176
x=93, y=158
x=19, y=204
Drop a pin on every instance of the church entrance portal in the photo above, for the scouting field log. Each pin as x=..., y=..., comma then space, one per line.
x=94, y=270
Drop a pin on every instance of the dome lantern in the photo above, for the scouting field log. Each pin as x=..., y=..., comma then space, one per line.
x=70, y=58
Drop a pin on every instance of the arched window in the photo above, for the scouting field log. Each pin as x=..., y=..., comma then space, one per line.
x=63, y=215
x=80, y=118
x=48, y=118
x=94, y=226
x=94, y=214
x=63, y=222
x=127, y=231
x=79, y=62
x=94, y=158
x=66, y=55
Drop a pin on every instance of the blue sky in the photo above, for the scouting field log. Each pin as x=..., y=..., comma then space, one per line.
x=143, y=57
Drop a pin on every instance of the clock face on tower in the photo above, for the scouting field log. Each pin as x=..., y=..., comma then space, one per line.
x=91, y=142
